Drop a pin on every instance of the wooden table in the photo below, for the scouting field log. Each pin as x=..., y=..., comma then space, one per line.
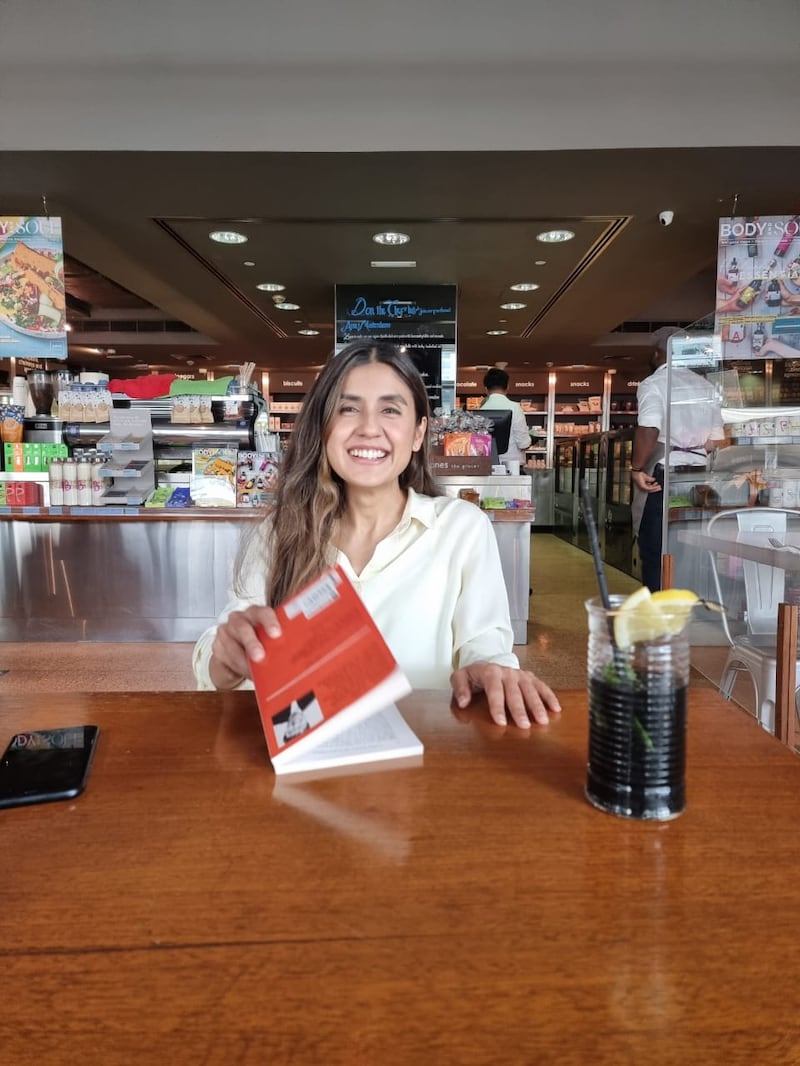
x=188, y=908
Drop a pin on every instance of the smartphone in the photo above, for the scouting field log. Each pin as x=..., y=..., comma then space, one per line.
x=47, y=765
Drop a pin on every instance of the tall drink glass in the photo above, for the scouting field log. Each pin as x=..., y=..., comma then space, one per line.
x=637, y=719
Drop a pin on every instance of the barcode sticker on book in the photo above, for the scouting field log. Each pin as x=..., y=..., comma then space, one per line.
x=315, y=598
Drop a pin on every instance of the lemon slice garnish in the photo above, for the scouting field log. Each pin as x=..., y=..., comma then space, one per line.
x=638, y=618
x=676, y=606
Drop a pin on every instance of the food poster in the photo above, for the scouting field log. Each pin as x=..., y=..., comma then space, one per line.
x=757, y=311
x=32, y=297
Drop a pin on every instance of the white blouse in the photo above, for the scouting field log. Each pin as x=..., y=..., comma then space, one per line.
x=434, y=587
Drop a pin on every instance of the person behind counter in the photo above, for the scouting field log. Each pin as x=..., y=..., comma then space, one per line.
x=695, y=428
x=355, y=488
x=495, y=381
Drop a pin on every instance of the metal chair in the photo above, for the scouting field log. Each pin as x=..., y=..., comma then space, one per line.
x=755, y=651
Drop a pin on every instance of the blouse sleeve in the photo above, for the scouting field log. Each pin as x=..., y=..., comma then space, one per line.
x=250, y=591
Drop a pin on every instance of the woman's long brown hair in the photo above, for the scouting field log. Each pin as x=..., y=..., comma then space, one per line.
x=310, y=496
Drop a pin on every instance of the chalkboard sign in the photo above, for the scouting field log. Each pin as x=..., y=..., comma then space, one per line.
x=786, y=381
x=421, y=316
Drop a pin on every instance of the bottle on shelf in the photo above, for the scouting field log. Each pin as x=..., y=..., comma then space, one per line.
x=69, y=477
x=97, y=486
x=83, y=482
x=56, y=477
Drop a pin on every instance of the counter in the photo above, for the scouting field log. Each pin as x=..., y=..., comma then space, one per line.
x=513, y=541
x=133, y=574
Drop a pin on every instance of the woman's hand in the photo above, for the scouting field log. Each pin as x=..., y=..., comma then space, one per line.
x=508, y=690
x=237, y=641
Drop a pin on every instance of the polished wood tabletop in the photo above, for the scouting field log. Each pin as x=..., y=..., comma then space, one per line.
x=473, y=907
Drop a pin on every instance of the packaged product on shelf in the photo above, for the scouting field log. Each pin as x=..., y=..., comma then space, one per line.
x=179, y=497
x=159, y=496
x=12, y=419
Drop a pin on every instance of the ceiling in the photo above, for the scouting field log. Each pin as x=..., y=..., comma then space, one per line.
x=145, y=280
x=471, y=127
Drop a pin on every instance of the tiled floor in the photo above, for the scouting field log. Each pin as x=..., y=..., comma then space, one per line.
x=562, y=578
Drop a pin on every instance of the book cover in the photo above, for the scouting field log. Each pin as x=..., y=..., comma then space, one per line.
x=324, y=681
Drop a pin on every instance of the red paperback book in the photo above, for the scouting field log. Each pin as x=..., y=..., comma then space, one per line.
x=326, y=688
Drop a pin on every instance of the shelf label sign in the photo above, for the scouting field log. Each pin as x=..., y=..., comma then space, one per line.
x=758, y=287
x=33, y=308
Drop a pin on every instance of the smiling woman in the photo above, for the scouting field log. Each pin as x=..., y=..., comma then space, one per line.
x=355, y=489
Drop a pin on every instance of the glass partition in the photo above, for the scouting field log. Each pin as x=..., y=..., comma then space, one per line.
x=732, y=506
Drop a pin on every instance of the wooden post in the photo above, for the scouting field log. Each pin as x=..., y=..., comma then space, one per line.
x=667, y=571
x=786, y=680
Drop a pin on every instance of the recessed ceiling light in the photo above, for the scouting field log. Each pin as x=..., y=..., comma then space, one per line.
x=286, y=306
x=397, y=263
x=391, y=237
x=227, y=236
x=309, y=332
x=524, y=286
x=540, y=262
x=555, y=236
x=512, y=306
x=270, y=286
x=496, y=332
x=248, y=263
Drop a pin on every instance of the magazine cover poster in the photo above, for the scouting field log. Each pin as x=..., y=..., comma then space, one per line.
x=757, y=313
x=32, y=297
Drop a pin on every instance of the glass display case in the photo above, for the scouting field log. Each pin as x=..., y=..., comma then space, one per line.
x=565, y=490
x=589, y=471
x=615, y=525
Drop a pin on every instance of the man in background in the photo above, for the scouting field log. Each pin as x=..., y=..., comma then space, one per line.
x=495, y=381
x=695, y=429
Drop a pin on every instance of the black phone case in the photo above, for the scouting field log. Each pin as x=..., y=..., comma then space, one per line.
x=44, y=775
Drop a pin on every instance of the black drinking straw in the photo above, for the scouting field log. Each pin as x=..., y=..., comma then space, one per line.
x=594, y=544
x=599, y=569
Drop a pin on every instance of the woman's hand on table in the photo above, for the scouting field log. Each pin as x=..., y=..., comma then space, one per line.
x=508, y=691
x=236, y=642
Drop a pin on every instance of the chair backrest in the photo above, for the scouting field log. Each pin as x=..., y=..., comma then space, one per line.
x=764, y=585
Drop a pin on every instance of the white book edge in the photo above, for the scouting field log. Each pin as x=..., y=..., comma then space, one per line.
x=329, y=745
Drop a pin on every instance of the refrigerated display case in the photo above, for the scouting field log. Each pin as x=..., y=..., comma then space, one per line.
x=565, y=492
x=588, y=461
x=615, y=525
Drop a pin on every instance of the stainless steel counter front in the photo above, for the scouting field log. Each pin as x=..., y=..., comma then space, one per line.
x=113, y=578
x=155, y=575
